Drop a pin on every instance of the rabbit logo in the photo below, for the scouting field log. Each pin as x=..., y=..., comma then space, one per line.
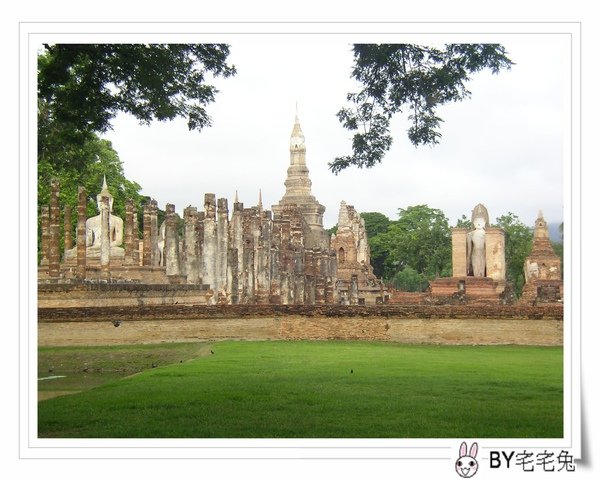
x=466, y=465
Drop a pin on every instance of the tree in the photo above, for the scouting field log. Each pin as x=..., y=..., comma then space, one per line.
x=419, y=239
x=410, y=280
x=98, y=159
x=81, y=87
x=518, y=244
x=464, y=222
x=407, y=78
x=375, y=223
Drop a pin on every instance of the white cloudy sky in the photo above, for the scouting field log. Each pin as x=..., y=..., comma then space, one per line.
x=504, y=147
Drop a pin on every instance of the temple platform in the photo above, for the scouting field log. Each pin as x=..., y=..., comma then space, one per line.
x=466, y=289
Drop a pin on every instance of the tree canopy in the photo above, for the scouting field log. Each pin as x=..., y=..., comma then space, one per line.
x=408, y=78
x=81, y=87
x=518, y=244
x=375, y=223
x=419, y=239
x=97, y=159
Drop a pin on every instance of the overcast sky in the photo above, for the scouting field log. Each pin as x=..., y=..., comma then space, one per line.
x=503, y=147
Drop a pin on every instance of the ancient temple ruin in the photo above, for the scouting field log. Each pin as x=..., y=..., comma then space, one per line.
x=245, y=256
x=298, y=194
x=543, y=278
x=478, y=261
x=356, y=282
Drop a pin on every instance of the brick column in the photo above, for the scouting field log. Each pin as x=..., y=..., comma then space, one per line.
x=45, y=221
x=68, y=227
x=155, y=256
x=209, y=244
x=128, y=237
x=190, y=245
x=54, y=246
x=459, y=251
x=135, y=237
x=171, y=242
x=146, y=249
x=222, y=246
x=495, y=260
x=81, y=233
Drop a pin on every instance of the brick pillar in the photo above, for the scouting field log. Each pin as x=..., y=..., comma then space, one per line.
x=81, y=233
x=236, y=243
x=459, y=251
x=150, y=254
x=171, y=242
x=147, y=248
x=45, y=220
x=68, y=227
x=155, y=256
x=104, y=237
x=232, y=264
x=495, y=259
x=222, y=245
x=129, y=225
x=135, y=237
x=190, y=245
x=54, y=246
x=209, y=247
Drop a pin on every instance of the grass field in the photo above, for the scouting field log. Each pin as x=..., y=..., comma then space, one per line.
x=310, y=389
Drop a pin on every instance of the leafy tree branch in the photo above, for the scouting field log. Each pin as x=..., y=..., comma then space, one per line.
x=408, y=78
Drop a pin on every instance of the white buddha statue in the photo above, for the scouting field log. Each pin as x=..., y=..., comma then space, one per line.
x=476, y=262
x=93, y=231
x=93, y=226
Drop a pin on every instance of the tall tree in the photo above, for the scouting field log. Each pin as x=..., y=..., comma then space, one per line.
x=97, y=159
x=518, y=243
x=81, y=87
x=407, y=78
x=375, y=223
x=419, y=239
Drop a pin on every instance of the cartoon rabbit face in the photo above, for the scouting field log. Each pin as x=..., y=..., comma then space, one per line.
x=466, y=465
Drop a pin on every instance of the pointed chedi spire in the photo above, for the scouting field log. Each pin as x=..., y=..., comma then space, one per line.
x=105, y=193
x=298, y=190
x=297, y=145
x=541, y=227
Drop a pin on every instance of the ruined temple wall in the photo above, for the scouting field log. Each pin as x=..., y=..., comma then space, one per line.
x=248, y=259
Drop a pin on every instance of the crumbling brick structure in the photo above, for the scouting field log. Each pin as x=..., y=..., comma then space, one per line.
x=356, y=282
x=543, y=279
x=248, y=256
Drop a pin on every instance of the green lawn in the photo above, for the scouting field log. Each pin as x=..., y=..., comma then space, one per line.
x=323, y=390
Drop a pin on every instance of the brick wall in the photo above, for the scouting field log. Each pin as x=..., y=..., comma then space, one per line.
x=407, y=324
x=94, y=296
